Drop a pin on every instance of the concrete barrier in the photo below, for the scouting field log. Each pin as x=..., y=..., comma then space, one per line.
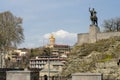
x=4, y=70
x=22, y=75
x=87, y=76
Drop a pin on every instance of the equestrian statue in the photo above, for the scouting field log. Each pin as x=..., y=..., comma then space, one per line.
x=93, y=17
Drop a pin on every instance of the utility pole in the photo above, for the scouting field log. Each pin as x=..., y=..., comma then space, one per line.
x=48, y=52
x=49, y=67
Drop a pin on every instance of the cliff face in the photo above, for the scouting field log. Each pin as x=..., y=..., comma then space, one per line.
x=100, y=57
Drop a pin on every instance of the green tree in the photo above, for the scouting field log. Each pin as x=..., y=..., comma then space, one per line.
x=47, y=51
x=36, y=52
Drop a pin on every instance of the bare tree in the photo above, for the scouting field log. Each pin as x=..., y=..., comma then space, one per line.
x=112, y=25
x=11, y=32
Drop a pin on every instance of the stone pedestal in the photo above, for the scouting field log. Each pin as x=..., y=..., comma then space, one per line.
x=87, y=76
x=93, y=33
x=22, y=75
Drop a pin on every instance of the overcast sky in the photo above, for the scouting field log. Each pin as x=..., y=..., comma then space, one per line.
x=64, y=18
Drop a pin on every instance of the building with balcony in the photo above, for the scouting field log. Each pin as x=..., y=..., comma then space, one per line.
x=39, y=63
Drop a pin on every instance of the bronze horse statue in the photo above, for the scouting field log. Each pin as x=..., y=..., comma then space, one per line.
x=93, y=17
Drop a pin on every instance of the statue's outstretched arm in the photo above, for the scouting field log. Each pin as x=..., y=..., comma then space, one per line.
x=89, y=9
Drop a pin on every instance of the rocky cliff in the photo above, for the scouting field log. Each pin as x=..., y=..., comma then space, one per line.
x=100, y=57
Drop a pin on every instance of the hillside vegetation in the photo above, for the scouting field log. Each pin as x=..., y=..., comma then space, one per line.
x=99, y=57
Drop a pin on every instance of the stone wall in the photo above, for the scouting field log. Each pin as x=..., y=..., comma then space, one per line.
x=94, y=35
x=83, y=38
x=107, y=35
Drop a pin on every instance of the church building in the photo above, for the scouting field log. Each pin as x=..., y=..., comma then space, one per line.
x=58, y=49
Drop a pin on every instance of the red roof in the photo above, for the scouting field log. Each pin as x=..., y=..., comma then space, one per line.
x=49, y=58
x=60, y=45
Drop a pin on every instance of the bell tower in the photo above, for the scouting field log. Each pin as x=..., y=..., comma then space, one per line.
x=52, y=39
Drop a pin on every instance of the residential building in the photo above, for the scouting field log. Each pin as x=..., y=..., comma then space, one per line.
x=42, y=61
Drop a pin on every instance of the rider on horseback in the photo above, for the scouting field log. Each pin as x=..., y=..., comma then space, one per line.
x=93, y=16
